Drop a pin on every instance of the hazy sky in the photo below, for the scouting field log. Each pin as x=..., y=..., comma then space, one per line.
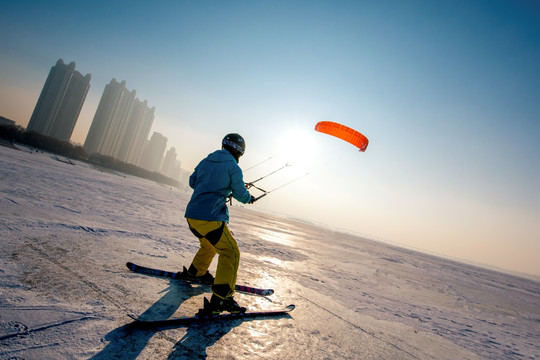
x=448, y=92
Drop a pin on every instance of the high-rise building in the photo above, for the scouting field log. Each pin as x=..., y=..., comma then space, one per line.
x=121, y=124
x=60, y=102
x=153, y=152
x=169, y=163
x=137, y=131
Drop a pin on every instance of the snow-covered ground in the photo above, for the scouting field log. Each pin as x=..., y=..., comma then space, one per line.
x=67, y=231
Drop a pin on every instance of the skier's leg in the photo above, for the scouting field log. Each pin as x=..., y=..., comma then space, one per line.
x=203, y=258
x=208, y=233
x=228, y=262
x=217, y=237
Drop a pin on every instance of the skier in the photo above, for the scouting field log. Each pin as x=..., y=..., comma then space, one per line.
x=215, y=178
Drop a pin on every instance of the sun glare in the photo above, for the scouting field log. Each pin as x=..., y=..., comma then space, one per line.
x=298, y=147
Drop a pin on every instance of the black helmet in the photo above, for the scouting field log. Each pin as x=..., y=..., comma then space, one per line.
x=235, y=144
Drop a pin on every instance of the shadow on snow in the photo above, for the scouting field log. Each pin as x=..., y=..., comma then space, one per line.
x=128, y=341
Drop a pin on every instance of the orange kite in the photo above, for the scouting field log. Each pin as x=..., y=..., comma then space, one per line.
x=344, y=133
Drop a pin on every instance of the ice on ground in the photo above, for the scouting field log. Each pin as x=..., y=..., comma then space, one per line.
x=67, y=231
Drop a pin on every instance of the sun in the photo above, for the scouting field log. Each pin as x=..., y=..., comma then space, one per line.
x=298, y=146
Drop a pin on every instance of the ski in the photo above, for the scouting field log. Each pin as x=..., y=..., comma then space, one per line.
x=173, y=275
x=225, y=316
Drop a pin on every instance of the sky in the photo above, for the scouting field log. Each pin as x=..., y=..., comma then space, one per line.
x=446, y=91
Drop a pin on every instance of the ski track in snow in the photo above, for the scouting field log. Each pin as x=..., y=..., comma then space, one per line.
x=67, y=230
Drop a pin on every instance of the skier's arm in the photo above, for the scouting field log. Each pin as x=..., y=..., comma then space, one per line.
x=239, y=191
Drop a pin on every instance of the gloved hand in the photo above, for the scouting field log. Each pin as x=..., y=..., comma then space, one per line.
x=253, y=199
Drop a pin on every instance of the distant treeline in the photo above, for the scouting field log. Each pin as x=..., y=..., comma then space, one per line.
x=112, y=163
x=15, y=133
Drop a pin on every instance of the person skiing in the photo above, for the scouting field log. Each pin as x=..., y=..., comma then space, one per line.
x=215, y=179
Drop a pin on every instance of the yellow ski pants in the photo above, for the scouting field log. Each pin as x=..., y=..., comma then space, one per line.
x=215, y=238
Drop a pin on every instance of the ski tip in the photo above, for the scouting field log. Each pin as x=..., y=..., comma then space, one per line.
x=130, y=265
x=290, y=307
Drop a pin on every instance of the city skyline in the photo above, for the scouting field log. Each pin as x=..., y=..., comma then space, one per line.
x=121, y=123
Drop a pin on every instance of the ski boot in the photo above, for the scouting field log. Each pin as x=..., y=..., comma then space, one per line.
x=217, y=305
x=185, y=275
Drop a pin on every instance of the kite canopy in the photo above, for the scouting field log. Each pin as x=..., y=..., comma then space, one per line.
x=344, y=133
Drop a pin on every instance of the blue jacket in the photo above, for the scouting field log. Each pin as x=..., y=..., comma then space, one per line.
x=214, y=179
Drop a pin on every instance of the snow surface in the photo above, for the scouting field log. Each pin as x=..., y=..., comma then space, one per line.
x=67, y=231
